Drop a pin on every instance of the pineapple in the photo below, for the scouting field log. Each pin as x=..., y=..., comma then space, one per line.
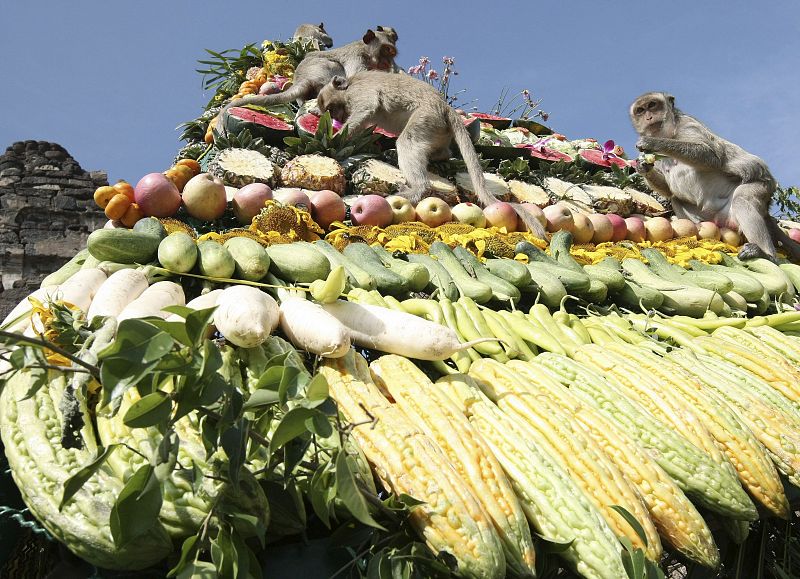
x=240, y=167
x=378, y=178
x=495, y=185
x=528, y=193
x=313, y=172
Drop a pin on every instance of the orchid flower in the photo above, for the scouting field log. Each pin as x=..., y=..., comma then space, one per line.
x=336, y=124
x=608, y=149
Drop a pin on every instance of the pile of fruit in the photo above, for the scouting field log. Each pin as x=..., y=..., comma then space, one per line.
x=266, y=347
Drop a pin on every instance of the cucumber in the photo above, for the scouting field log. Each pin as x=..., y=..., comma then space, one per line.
x=501, y=289
x=608, y=276
x=534, y=253
x=550, y=289
x=767, y=273
x=252, y=261
x=743, y=283
x=214, y=260
x=560, y=244
x=735, y=301
x=637, y=298
x=792, y=272
x=122, y=245
x=511, y=270
x=575, y=281
x=356, y=276
x=151, y=226
x=298, y=262
x=178, y=252
x=440, y=280
x=386, y=280
x=67, y=270
x=709, y=280
x=416, y=274
x=467, y=286
x=597, y=292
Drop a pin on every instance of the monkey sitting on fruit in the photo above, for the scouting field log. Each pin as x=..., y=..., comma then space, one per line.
x=706, y=177
x=314, y=33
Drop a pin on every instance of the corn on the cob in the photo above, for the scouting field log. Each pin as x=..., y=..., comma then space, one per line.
x=450, y=518
x=747, y=456
x=693, y=470
x=776, y=429
x=552, y=501
x=788, y=346
x=675, y=517
x=569, y=445
x=440, y=418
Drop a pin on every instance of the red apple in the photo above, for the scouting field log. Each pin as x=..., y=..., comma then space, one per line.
x=157, y=196
x=402, y=208
x=708, y=230
x=583, y=230
x=794, y=234
x=558, y=217
x=636, y=230
x=730, y=236
x=603, y=230
x=658, y=229
x=501, y=214
x=620, y=229
x=249, y=201
x=371, y=210
x=326, y=207
x=535, y=211
x=433, y=211
x=684, y=228
x=204, y=197
x=292, y=196
x=470, y=214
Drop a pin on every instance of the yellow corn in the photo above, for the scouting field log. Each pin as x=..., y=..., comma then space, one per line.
x=737, y=442
x=567, y=443
x=440, y=418
x=554, y=504
x=450, y=518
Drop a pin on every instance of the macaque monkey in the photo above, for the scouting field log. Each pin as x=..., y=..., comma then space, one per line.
x=314, y=32
x=424, y=122
x=376, y=50
x=706, y=177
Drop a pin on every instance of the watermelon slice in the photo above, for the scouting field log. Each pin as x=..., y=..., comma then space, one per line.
x=498, y=123
x=534, y=127
x=268, y=127
x=307, y=125
x=546, y=154
x=473, y=126
x=595, y=157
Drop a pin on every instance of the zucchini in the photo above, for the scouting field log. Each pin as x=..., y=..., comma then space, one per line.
x=501, y=289
x=252, y=261
x=122, y=246
x=636, y=297
x=66, y=271
x=440, y=280
x=511, y=270
x=416, y=274
x=298, y=262
x=767, y=273
x=597, y=292
x=386, y=280
x=792, y=272
x=178, y=252
x=709, y=280
x=467, y=285
x=743, y=282
x=550, y=289
x=608, y=276
x=575, y=282
x=214, y=260
x=356, y=276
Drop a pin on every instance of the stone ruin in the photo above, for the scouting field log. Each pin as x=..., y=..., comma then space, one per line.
x=47, y=211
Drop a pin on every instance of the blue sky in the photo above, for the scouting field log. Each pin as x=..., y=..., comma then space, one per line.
x=111, y=80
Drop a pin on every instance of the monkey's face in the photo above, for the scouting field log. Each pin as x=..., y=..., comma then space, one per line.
x=382, y=49
x=653, y=114
x=333, y=101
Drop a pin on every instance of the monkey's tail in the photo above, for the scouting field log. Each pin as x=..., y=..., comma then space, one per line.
x=789, y=245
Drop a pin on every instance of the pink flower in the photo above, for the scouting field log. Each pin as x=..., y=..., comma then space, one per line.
x=336, y=125
x=449, y=60
x=432, y=74
x=280, y=80
x=424, y=60
x=415, y=69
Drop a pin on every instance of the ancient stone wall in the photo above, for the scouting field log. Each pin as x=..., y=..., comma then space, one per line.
x=46, y=214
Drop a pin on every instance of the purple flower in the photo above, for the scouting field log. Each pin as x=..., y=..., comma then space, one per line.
x=608, y=150
x=337, y=125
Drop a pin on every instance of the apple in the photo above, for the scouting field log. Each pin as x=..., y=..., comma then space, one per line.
x=620, y=229
x=794, y=234
x=470, y=214
x=204, y=197
x=636, y=230
x=558, y=217
x=249, y=201
x=157, y=196
x=326, y=207
x=433, y=211
x=603, y=230
x=535, y=211
x=730, y=236
x=402, y=208
x=292, y=196
x=371, y=210
x=684, y=228
x=708, y=230
x=658, y=229
x=583, y=229
x=501, y=214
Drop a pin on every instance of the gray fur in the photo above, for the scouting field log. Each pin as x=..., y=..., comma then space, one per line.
x=706, y=177
x=314, y=32
x=424, y=122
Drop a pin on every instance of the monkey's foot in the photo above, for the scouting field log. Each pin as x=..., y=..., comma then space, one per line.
x=752, y=251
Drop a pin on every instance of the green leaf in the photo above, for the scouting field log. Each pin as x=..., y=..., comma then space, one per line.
x=631, y=520
x=634, y=562
x=150, y=410
x=290, y=383
x=319, y=425
x=74, y=483
x=199, y=570
x=166, y=455
x=317, y=389
x=271, y=379
x=318, y=495
x=38, y=378
x=197, y=324
x=187, y=552
x=175, y=329
x=138, y=341
x=181, y=311
x=137, y=506
x=261, y=398
x=234, y=443
x=348, y=493
x=292, y=425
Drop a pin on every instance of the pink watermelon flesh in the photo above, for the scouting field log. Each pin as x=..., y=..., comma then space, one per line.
x=488, y=117
x=268, y=127
x=595, y=157
x=549, y=154
x=309, y=122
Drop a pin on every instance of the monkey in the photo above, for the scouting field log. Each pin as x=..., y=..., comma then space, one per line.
x=424, y=122
x=706, y=177
x=313, y=32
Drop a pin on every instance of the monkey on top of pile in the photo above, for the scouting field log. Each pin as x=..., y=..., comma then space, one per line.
x=706, y=177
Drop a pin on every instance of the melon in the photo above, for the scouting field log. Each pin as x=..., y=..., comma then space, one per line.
x=497, y=122
x=268, y=127
x=595, y=157
x=308, y=123
x=473, y=127
x=546, y=154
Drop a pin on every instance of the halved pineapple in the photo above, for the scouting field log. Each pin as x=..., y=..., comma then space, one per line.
x=313, y=172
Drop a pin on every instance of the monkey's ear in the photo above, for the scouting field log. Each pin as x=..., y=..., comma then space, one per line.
x=322, y=26
x=379, y=28
x=369, y=36
x=339, y=82
x=670, y=99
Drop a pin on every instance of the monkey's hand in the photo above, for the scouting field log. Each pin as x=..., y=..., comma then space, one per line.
x=646, y=144
x=645, y=163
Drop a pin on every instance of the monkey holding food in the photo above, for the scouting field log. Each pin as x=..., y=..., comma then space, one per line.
x=706, y=177
x=314, y=32
x=424, y=122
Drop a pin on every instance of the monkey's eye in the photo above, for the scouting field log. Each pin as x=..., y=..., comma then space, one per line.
x=651, y=105
x=638, y=111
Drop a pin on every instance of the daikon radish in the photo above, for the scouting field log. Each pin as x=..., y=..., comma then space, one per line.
x=396, y=332
x=80, y=289
x=120, y=289
x=153, y=300
x=309, y=327
x=246, y=316
x=201, y=302
x=24, y=309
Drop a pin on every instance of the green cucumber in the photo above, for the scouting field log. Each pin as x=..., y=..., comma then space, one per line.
x=597, y=292
x=467, y=285
x=550, y=289
x=743, y=282
x=792, y=272
x=122, y=245
x=151, y=226
x=214, y=260
x=440, y=280
x=356, y=276
x=252, y=261
x=709, y=280
x=767, y=273
x=608, y=276
x=67, y=270
x=501, y=289
x=575, y=281
x=416, y=274
x=637, y=298
x=511, y=270
x=178, y=252
x=298, y=262
x=386, y=280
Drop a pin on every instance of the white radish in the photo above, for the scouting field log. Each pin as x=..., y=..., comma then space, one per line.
x=25, y=307
x=201, y=302
x=120, y=289
x=309, y=327
x=153, y=300
x=246, y=316
x=396, y=332
x=80, y=289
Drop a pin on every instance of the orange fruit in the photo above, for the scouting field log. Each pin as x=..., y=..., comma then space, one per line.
x=117, y=207
x=102, y=195
x=191, y=163
x=125, y=188
x=131, y=215
x=185, y=172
